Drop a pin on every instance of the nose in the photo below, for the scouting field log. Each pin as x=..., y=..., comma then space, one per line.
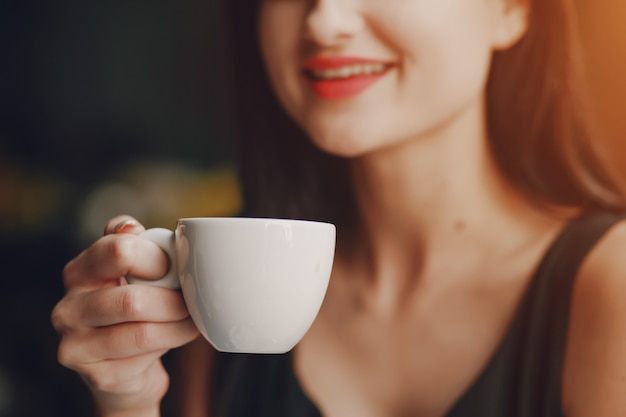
x=331, y=22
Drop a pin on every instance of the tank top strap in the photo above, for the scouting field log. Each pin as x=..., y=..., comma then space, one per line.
x=550, y=303
x=523, y=378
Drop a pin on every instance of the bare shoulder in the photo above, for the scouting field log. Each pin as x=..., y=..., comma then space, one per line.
x=594, y=373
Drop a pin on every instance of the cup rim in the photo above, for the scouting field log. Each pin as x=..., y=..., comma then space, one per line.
x=235, y=219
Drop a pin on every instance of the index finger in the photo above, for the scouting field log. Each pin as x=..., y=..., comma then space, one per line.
x=123, y=224
x=113, y=257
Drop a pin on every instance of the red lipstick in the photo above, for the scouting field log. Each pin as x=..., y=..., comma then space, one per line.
x=336, y=78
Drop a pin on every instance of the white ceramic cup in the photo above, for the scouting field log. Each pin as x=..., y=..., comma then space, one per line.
x=252, y=285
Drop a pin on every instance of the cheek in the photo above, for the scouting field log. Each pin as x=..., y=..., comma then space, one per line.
x=445, y=55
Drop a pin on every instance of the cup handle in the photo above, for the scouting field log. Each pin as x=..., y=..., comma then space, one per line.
x=164, y=238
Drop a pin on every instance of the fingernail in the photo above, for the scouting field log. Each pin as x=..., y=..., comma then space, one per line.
x=125, y=226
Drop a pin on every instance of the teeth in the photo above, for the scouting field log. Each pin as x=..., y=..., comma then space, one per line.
x=347, y=71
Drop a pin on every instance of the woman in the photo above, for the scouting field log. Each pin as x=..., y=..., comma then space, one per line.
x=478, y=268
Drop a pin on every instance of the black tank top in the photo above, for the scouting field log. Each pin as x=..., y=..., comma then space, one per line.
x=522, y=379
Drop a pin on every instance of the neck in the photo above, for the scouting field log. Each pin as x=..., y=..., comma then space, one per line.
x=439, y=197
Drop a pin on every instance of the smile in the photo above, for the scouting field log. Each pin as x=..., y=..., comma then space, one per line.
x=339, y=78
x=347, y=71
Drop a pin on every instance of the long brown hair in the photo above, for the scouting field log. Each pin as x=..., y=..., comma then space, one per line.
x=539, y=134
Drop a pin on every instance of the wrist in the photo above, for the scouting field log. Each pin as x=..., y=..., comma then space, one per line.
x=128, y=400
x=153, y=411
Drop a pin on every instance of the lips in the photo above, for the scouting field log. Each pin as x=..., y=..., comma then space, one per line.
x=337, y=78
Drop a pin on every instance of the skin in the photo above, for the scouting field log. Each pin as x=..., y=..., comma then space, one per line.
x=114, y=334
x=437, y=72
x=400, y=317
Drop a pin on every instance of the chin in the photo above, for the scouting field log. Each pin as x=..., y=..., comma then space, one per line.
x=346, y=144
x=343, y=137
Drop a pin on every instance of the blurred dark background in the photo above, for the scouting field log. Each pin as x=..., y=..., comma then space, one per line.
x=106, y=107
x=111, y=107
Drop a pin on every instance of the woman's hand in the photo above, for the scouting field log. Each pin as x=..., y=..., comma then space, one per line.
x=114, y=334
